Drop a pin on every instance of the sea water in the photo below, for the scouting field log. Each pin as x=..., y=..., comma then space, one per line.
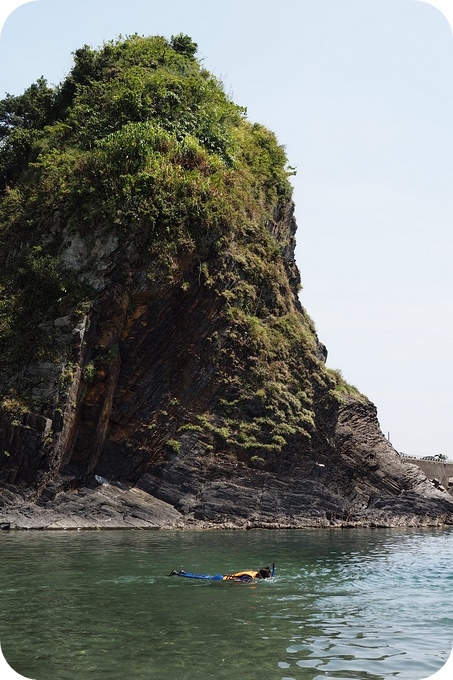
x=344, y=604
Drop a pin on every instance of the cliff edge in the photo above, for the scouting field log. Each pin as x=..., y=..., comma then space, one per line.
x=158, y=369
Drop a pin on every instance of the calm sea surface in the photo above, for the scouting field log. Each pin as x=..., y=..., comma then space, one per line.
x=344, y=604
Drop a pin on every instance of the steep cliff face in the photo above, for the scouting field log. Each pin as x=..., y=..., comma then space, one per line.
x=158, y=368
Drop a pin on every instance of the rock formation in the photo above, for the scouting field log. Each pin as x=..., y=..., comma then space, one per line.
x=158, y=369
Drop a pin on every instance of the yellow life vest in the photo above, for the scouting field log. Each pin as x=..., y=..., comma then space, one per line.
x=248, y=573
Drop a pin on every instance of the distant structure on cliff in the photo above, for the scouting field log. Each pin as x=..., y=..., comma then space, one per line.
x=438, y=470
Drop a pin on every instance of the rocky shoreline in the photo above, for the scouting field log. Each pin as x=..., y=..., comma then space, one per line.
x=223, y=506
x=127, y=512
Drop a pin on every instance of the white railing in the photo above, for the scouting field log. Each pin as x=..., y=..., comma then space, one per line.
x=427, y=460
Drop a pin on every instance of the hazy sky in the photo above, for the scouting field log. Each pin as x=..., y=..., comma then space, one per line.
x=360, y=92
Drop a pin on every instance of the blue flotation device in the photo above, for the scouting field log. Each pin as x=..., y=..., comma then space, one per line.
x=206, y=577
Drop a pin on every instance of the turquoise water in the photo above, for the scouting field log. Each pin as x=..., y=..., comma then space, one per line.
x=344, y=605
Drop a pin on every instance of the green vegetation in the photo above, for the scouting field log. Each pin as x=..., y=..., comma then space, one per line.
x=341, y=388
x=174, y=445
x=141, y=147
x=140, y=140
x=89, y=372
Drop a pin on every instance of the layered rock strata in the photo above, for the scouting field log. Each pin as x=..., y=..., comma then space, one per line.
x=142, y=441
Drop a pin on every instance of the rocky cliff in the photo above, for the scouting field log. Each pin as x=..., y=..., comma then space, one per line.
x=158, y=369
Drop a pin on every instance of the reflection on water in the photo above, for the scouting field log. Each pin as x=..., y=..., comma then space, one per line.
x=344, y=604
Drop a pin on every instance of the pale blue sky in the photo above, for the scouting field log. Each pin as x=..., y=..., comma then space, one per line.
x=360, y=92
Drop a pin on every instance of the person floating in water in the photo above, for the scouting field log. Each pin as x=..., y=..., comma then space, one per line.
x=264, y=572
x=245, y=575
